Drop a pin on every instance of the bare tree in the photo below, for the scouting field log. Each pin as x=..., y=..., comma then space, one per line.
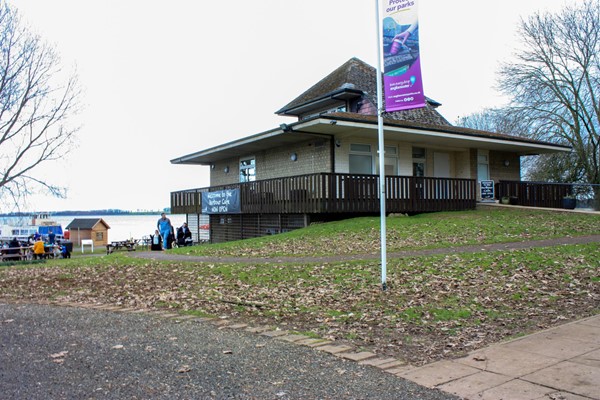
x=561, y=167
x=36, y=103
x=494, y=120
x=555, y=84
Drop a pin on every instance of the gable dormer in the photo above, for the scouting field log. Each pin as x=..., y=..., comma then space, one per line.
x=352, y=88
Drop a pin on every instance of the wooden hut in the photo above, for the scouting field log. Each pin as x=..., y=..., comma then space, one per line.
x=95, y=229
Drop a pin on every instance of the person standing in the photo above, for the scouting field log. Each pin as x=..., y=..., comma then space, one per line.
x=165, y=228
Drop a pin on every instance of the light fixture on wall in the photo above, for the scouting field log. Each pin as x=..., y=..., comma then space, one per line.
x=338, y=143
x=212, y=166
x=285, y=127
x=294, y=157
x=506, y=163
x=226, y=169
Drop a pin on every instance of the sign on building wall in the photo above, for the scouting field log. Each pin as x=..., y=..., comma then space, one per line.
x=221, y=202
x=402, y=83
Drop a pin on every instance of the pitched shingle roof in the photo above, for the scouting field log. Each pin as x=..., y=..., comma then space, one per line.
x=357, y=75
x=86, y=223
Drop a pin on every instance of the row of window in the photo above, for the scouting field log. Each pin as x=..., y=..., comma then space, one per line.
x=361, y=160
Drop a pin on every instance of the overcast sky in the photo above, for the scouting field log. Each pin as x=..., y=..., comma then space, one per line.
x=164, y=79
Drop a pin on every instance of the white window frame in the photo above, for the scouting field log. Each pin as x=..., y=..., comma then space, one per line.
x=483, y=159
x=251, y=178
x=360, y=153
x=391, y=158
x=419, y=160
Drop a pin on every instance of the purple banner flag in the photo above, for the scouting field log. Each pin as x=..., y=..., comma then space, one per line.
x=402, y=83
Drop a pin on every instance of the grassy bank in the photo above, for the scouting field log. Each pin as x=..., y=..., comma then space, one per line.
x=448, y=229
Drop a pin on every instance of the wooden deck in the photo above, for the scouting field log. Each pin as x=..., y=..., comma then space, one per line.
x=326, y=193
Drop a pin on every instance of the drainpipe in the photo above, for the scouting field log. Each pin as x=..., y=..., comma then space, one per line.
x=332, y=151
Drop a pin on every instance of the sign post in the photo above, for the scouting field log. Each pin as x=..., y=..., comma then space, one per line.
x=382, y=191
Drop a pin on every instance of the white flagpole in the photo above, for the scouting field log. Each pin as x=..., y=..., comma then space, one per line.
x=382, y=191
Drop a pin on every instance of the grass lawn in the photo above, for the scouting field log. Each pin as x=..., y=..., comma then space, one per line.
x=436, y=306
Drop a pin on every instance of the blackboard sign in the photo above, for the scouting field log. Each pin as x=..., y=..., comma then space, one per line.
x=221, y=202
x=487, y=191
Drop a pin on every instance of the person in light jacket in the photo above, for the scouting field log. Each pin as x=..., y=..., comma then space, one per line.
x=165, y=228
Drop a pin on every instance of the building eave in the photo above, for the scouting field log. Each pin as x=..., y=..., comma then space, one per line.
x=347, y=124
x=337, y=96
x=286, y=134
x=341, y=125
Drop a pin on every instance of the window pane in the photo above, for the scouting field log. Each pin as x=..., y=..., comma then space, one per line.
x=391, y=166
x=418, y=169
x=483, y=172
x=247, y=163
x=247, y=170
x=390, y=150
x=364, y=148
x=247, y=175
x=418, y=152
x=360, y=164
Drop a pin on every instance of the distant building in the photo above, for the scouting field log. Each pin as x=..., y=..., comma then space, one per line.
x=95, y=229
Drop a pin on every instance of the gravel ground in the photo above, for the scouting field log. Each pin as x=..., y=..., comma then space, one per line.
x=49, y=352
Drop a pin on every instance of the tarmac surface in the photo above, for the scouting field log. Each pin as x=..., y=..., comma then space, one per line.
x=53, y=352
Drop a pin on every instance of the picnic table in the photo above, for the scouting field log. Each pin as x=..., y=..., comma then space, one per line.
x=16, y=253
x=26, y=253
x=128, y=245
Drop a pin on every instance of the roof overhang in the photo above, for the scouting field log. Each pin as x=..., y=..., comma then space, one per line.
x=445, y=137
x=331, y=99
x=340, y=126
x=286, y=134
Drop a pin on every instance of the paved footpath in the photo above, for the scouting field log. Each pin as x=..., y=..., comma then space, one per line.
x=168, y=256
x=561, y=363
x=50, y=352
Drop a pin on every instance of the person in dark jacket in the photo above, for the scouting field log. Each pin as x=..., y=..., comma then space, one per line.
x=180, y=237
x=14, y=249
x=64, y=251
x=187, y=235
x=156, y=241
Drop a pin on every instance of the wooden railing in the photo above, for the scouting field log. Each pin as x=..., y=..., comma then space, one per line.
x=534, y=194
x=339, y=193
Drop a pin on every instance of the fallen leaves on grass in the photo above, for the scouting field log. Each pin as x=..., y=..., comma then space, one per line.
x=436, y=307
